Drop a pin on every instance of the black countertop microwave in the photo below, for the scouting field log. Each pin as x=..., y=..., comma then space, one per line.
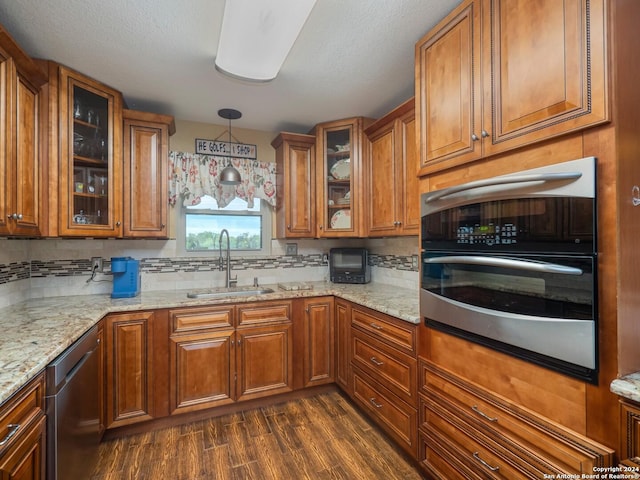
x=349, y=265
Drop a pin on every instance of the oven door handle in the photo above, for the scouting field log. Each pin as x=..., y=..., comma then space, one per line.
x=541, y=267
x=531, y=177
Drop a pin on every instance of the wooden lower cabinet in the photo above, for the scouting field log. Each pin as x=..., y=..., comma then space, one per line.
x=264, y=342
x=201, y=358
x=384, y=380
x=264, y=361
x=319, y=344
x=393, y=415
x=22, y=423
x=200, y=370
x=629, y=430
x=136, y=374
x=223, y=354
x=468, y=432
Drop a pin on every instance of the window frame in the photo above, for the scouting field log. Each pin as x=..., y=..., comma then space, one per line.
x=265, y=213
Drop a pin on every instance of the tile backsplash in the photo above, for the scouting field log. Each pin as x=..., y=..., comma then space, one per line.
x=58, y=267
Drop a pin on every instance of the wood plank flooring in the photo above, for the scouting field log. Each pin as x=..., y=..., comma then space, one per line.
x=319, y=437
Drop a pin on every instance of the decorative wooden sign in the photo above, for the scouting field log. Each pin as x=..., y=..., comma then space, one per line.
x=227, y=149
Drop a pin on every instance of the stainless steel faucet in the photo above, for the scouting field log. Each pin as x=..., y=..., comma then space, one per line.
x=230, y=282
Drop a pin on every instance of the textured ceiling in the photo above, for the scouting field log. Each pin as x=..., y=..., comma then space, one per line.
x=353, y=57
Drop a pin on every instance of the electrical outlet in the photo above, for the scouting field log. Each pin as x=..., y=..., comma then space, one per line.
x=291, y=249
x=414, y=262
x=325, y=259
x=97, y=264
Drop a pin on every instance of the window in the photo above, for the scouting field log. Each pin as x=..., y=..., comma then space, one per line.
x=249, y=229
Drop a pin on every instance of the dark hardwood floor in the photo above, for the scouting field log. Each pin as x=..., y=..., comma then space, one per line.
x=319, y=437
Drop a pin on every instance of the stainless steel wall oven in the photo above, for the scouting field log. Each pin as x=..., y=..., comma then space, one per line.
x=510, y=263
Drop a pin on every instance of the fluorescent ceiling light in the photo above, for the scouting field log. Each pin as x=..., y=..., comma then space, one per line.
x=257, y=35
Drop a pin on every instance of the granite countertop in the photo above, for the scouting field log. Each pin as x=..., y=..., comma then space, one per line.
x=35, y=332
x=627, y=387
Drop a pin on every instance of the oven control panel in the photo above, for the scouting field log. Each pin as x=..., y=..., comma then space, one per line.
x=490, y=234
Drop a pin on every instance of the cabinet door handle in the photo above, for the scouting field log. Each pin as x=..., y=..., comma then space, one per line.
x=13, y=429
x=484, y=415
x=375, y=325
x=374, y=403
x=375, y=361
x=484, y=133
x=474, y=137
x=476, y=455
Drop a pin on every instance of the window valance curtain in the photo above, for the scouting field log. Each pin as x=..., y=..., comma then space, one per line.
x=192, y=175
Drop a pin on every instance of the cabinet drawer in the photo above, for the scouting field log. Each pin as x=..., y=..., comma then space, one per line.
x=439, y=457
x=20, y=411
x=395, y=370
x=550, y=446
x=400, y=334
x=461, y=458
x=473, y=448
x=259, y=313
x=189, y=319
x=393, y=415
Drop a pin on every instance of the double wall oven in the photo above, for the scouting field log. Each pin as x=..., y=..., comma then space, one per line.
x=510, y=263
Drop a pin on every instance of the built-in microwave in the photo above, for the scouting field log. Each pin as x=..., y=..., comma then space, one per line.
x=510, y=263
x=349, y=265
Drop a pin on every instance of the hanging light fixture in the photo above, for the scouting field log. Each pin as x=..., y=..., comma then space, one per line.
x=229, y=175
x=256, y=37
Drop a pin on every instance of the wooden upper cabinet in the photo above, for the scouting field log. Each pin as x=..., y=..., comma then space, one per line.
x=146, y=156
x=494, y=76
x=90, y=149
x=391, y=169
x=340, y=152
x=21, y=81
x=448, y=100
x=295, y=170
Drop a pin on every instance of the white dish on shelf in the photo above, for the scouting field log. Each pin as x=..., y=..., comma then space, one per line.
x=341, y=170
x=341, y=219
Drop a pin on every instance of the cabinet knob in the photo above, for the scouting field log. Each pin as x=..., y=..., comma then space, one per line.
x=484, y=133
x=118, y=224
x=474, y=137
x=288, y=227
x=16, y=216
x=320, y=226
x=162, y=226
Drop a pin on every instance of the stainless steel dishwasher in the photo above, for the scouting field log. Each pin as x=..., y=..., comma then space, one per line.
x=73, y=410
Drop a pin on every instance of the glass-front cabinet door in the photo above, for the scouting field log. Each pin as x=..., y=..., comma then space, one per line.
x=91, y=157
x=340, y=200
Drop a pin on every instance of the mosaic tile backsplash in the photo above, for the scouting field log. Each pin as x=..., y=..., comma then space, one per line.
x=66, y=268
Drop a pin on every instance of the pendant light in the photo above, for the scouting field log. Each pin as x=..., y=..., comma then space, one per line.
x=229, y=175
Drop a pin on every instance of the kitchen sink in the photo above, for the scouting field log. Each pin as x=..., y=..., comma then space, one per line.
x=229, y=292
